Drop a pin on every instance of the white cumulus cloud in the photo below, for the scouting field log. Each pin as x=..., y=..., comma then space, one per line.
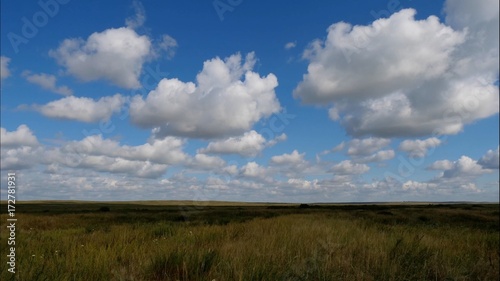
x=207, y=162
x=419, y=148
x=490, y=159
x=228, y=99
x=165, y=151
x=293, y=158
x=364, y=147
x=18, y=158
x=441, y=165
x=143, y=169
x=116, y=55
x=255, y=171
x=250, y=144
x=20, y=150
x=304, y=184
x=463, y=167
x=405, y=77
x=418, y=186
x=22, y=136
x=82, y=108
x=348, y=167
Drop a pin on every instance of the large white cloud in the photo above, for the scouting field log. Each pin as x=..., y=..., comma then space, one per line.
x=405, y=77
x=464, y=166
x=47, y=82
x=220, y=104
x=397, y=50
x=82, y=108
x=116, y=55
x=4, y=67
x=479, y=54
x=463, y=13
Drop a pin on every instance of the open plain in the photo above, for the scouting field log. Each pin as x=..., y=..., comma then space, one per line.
x=254, y=241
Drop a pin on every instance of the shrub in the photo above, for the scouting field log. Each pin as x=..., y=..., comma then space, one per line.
x=104, y=209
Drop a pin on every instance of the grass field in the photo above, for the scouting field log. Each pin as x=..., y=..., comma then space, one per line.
x=229, y=241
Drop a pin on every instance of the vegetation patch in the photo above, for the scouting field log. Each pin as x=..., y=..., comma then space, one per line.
x=265, y=242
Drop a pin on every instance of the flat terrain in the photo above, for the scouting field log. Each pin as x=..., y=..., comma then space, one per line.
x=252, y=241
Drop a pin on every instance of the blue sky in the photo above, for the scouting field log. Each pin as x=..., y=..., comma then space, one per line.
x=330, y=101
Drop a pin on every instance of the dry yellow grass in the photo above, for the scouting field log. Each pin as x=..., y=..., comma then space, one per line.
x=322, y=245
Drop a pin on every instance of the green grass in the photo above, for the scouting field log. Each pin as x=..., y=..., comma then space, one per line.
x=83, y=241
